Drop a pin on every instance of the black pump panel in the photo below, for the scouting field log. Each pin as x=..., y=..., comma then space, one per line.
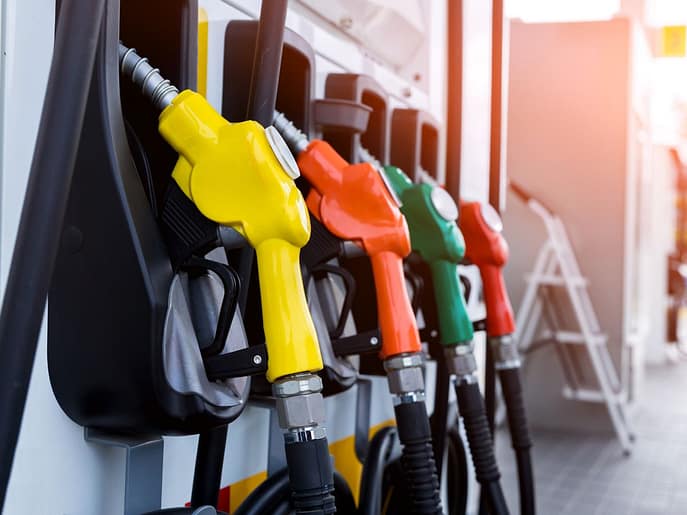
x=297, y=74
x=364, y=90
x=415, y=143
x=109, y=296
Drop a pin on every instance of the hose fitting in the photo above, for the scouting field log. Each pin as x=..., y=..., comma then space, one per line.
x=300, y=407
x=404, y=374
x=154, y=86
x=461, y=362
x=506, y=355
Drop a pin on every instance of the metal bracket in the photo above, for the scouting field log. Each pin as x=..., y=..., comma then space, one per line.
x=479, y=325
x=369, y=341
x=430, y=335
x=239, y=363
x=143, y=480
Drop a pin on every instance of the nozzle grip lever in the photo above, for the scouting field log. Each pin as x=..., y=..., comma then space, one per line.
x=454, y=323
x=396, y=319
x=500, y=320
x=286, y=316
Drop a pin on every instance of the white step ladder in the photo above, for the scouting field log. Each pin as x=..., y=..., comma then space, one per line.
x=556, y=267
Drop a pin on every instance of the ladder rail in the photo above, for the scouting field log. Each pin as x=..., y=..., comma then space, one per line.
x=530, y=295
x=557, y=265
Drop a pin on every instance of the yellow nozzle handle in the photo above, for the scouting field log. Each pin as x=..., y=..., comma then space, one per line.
x=233, y=176
x=289, y=330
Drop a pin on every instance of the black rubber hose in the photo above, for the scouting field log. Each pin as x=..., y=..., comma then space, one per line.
x=490, y=403
x=496, y=502
x=439, y=419
x=283, y=509
x=520, y=436
x=267, y=61
x=372, y=478
x=417, y=457
x=209, y=462
x=311, y=477
x=273, y=496
x=456, y=473
x=345, y=503
x=267, y=496
x=471, y=407
x=42, y=216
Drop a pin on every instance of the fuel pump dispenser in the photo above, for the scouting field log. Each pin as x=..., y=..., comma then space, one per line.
x=356, y=204
x=487, y=248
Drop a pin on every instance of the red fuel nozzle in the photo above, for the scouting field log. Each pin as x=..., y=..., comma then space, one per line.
x=486, y=247
x=354, y=203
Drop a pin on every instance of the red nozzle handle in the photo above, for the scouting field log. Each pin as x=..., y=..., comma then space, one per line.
x=500, y=321
x=396, y=319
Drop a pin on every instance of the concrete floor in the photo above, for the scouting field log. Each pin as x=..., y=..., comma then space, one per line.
x=588, y=475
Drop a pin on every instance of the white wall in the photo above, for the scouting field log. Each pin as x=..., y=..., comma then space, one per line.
x=476, y=99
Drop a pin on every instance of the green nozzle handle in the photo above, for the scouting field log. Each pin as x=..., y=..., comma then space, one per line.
x=455, y=325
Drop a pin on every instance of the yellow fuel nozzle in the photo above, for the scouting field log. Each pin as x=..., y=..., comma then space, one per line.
x=242, y=176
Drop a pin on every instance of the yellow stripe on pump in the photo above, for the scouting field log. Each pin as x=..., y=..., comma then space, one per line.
x=234, y=177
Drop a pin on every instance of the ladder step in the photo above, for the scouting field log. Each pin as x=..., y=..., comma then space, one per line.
x=557, y=280
x=557, y=266
x=578, y=338
x=590, y=395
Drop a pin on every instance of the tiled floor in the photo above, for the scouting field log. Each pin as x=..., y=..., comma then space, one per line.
x=587, y=475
